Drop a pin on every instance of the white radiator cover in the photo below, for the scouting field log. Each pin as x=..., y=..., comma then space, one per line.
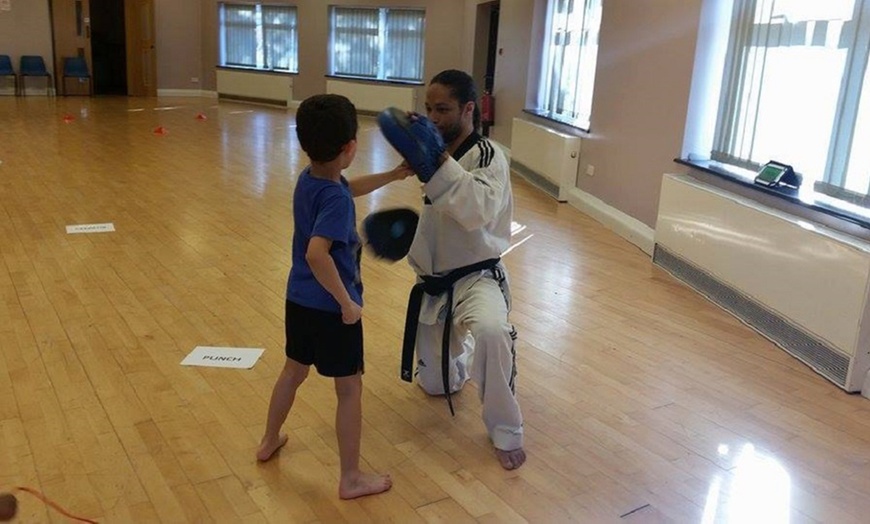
x=374, y=98
x=255, y=86
x=546, y=153
x=800, y=284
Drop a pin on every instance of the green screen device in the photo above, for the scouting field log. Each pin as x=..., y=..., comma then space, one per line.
x=776, y=174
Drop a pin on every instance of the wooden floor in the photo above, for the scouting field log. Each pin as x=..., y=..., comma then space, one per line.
x=643, y=402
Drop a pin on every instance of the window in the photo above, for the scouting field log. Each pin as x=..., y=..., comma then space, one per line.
x=796, y=89
x=259, y=36
x=377, y=43
x=568, y=65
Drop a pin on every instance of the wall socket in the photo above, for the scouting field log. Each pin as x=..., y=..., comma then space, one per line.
x=590, y=170
x=194, y=80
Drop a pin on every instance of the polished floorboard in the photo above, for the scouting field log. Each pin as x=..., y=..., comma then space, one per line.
x=643, y=401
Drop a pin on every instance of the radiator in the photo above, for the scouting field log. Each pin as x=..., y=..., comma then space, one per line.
x=546, y=157
x=255, y=86
x=374, y=98
x=803, y=286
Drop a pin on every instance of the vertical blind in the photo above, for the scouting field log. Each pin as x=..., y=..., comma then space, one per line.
x=259, y=36
x=795, y=89
x=570, y=57
x=280, y=38
x=377, y=43
x=405, y=37
x=239, y=28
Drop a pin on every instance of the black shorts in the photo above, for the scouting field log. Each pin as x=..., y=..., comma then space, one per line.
x=322, y=339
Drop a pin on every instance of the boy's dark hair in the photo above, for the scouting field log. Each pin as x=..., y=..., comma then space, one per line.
x=324, y=124
x=462, y=88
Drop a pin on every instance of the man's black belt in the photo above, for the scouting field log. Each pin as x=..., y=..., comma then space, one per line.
x=435, y=286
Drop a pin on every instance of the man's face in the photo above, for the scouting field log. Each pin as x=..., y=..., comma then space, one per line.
x=445, y=112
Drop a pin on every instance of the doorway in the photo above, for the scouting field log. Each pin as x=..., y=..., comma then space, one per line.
x=109, y=47
x=116, y=39
x=486, y=50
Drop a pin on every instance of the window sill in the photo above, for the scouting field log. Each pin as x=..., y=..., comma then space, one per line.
x=562, y=121
x=257, y=70
x=376, y=80
x=806, y=197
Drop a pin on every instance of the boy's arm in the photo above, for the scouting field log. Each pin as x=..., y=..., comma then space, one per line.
x=364, y=185
x=326, y=273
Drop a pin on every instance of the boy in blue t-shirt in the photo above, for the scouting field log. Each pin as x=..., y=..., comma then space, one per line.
x=324, y=292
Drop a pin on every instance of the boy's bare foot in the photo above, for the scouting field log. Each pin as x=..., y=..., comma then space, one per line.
x=268, y=447
x=511, y=459
x=362, y=484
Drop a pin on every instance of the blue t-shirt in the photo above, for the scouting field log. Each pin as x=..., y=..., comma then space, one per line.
x=324, y=208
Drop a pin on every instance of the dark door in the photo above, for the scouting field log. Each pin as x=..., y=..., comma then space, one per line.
x=109, y=47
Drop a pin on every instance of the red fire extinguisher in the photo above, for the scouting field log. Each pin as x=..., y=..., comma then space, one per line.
x=487, y=111
x=487, y=108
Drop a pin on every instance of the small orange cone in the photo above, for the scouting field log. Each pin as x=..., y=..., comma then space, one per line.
x=200, y=116
x=160, y=131
x=68, y=119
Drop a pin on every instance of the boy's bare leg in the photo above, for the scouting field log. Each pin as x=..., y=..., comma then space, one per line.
x=348, y=428
x=283, y=395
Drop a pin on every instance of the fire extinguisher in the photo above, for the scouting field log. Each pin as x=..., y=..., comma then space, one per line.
x=487, y=111
x=487, y=108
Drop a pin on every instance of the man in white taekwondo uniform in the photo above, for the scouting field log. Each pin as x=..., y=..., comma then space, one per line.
x=464, y=227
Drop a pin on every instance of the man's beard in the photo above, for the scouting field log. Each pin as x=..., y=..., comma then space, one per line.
x=451, y=133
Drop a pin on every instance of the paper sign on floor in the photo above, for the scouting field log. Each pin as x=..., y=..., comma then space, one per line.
x=90, y=228
x=215, y=357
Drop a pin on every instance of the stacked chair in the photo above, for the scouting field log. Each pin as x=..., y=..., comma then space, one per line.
x=77, y=67
x=6, y=71
x=32, y=66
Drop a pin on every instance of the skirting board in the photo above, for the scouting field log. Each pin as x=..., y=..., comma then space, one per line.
x=623, y=225
x=187, y=93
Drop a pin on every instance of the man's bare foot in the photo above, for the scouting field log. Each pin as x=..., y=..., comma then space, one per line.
x=511, y=459
x=268, y=447
x=362, y=484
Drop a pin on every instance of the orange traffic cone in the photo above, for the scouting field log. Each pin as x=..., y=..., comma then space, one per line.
x=68, y=119
x=160, y=131
x=200, y=116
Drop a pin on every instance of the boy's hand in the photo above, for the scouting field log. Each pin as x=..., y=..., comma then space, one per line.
x=402, y=171
x=351, y=312
x=416, y=138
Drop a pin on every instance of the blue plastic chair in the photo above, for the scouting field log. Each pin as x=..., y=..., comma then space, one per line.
x=77, y=67
x=31, y=65
x=7, y=71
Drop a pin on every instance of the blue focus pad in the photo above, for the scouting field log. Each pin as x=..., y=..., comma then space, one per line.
x=417, y=140
x=389, y=233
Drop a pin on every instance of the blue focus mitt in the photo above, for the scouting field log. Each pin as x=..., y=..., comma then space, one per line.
x=388, y=233
x=416, y=139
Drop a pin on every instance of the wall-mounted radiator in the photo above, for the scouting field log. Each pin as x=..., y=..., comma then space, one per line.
x=548, y=158
x=255, y=86
x=801, y=285
x=374, y=98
